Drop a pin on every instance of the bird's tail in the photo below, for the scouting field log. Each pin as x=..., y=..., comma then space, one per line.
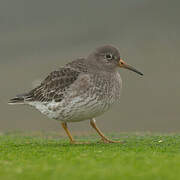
x=19, y=99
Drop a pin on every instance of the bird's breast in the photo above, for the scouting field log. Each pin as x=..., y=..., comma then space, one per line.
x=108, y=87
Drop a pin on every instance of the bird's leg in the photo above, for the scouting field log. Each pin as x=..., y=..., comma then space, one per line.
x=64, y=125
x=72, y=141
x=104, y=139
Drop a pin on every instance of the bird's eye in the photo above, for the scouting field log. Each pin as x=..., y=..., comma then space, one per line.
x=109, y=56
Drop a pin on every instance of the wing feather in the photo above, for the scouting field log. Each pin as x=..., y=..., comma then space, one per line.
x=54, y=85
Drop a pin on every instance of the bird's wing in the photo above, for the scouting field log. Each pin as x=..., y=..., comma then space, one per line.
x=54, y=86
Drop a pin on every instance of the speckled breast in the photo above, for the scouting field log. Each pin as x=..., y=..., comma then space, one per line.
x=91, y=101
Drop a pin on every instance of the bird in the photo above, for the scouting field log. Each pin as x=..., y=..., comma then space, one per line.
x=83, y=89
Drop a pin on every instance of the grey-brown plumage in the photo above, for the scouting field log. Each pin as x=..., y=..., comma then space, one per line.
x=82, y=89
x=55, y=84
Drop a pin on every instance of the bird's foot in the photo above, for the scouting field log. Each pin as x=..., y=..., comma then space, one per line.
x=107, y=141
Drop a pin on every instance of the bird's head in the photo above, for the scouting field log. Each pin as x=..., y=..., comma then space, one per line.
x=108, y=58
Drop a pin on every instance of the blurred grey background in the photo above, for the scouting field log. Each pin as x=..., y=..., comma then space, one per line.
x=36, y=37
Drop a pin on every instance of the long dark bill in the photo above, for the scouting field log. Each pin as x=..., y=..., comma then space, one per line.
x=122, y=64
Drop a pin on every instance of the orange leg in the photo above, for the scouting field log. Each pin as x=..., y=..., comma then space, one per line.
x=64, y=125
x=72, y=141
x=104, y=138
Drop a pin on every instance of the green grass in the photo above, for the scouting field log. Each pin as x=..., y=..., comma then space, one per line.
x=51, y=157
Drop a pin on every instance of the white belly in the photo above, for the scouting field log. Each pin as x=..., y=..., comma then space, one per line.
x=78, y=109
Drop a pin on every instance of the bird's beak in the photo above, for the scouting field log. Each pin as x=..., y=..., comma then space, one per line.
x=122, y=64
